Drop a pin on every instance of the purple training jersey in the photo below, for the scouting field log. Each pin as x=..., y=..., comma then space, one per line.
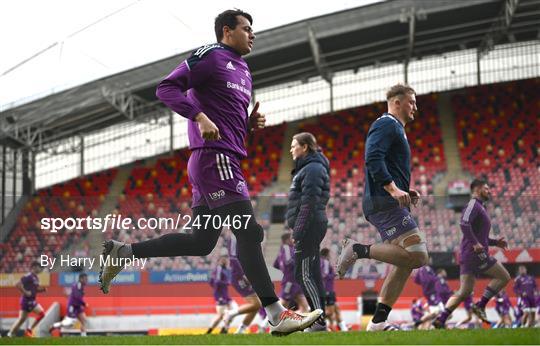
x=220, y=280
x=218, y=83
x=475, y=226
x=328, y=275
x=502, y=303
x=444, y=292
x=30, y=282
x=76, y=302
x=427, y=279
x=525, y=287
x=417, y=310
x=285, y=262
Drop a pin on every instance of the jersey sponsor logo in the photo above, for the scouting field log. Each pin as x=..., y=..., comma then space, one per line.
x=216, y=195
x=231, y=85
x=247, y=73
x=390, y=232
x=230, y=66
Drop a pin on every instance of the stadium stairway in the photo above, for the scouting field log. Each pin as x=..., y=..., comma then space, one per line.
x=95, y=238
x=279, y=187
x=451, y=150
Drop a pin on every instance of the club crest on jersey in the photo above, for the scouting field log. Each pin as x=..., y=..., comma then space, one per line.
x=241, y=187
x=406, y=220
x=230, y=66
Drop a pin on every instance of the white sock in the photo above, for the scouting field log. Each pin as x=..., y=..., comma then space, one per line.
x=273, y=311
x=83, y=333
x=233, y=312
x=343, y=326
x=57, y=324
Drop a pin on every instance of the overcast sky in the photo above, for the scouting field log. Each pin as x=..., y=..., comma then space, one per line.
x=92, y=39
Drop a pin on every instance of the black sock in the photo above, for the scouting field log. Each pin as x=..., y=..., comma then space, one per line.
x=381, y=313
x=361, y=250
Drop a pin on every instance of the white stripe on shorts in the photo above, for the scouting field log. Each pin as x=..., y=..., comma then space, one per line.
x=219, y=167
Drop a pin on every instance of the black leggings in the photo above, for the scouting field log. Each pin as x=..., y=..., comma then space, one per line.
x=307, y=266
x=202, y=241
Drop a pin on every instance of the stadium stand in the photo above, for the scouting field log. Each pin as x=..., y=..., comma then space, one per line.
x=79, y=197
x=497, y=128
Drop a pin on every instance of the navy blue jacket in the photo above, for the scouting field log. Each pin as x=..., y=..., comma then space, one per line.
x=388, y=158
x=309, y=193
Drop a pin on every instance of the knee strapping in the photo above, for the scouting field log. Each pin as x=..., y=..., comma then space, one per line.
x=415, y=242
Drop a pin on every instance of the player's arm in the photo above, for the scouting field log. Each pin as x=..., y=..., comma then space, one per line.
x=41, y=289
x=501, y=242
x=468, y=217
x=191, y=73
x=377, y=146
x=20, y=287
x=312, y=186
x=276, y=262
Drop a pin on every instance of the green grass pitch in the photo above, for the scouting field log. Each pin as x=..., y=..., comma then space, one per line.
x=526, y=336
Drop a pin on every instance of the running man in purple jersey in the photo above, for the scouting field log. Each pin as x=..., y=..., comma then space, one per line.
x=76, y=306
x=333, y=313
x=503, y=306
x=291, y=291
x=243, y=287
x=220, y=279
x=475, y=259
x=29, y=287
x=525, y=287
x=386, y=204
x=212, y=88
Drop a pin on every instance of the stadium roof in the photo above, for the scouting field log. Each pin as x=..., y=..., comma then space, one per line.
x=392, y=31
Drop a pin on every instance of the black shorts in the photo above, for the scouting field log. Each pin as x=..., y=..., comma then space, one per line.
x=330, y=298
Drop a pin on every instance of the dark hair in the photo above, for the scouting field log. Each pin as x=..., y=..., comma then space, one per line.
x=325, y=252
x=285, y=237
x=478, y=183
x=82, y=275
x=440, y=270
x=399, y=90
x=228, y=18
x=35, y=264
x=308, y=139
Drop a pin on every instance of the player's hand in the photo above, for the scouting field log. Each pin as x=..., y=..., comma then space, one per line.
x=478, y=248
x=28, y=293
x=209, y=130
x=257, y=120
x=502, y=243
x=415, y=196
x=403, y=198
